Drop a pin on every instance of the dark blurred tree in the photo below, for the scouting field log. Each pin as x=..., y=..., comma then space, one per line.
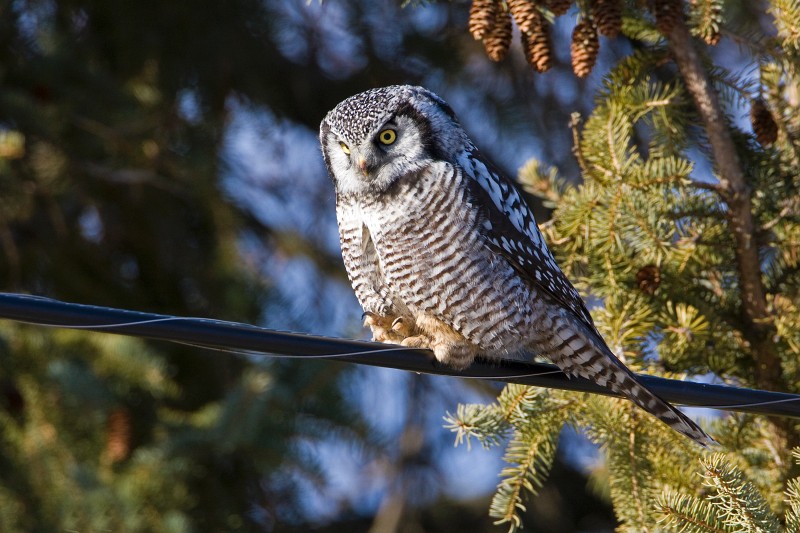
x=113, y=115
x=115, y=189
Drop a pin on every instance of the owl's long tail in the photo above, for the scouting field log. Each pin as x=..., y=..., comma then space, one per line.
x=580, y=351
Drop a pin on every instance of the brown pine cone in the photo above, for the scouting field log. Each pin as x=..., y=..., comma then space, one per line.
x=585, y=47
x=481, y=17
x=608, y=14
x=524, y=12
x=498, y=39
x=668, y=13
x=536, y=45
x=118, y=435
x=648, y=278
x=764, y=125
x=558, y=7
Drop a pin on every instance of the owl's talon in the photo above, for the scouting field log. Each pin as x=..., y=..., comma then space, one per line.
x=390, y=329
x=402, y=327
x=370, y=318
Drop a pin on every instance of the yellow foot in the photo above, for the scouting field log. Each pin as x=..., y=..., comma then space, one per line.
x=403, y=326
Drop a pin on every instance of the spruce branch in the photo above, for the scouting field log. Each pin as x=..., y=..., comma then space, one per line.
x=636, y=494
x=516, y=401
x=793, y=513
x=530, y=455
x=476, y=421
x=706, y=18
x=687, y=514
x=793, y=493
x=629, y=442
x=574, y=125
x=740, y=505
x=543, y=182
x=706, y=186
x=737, y=194
x=787, y=21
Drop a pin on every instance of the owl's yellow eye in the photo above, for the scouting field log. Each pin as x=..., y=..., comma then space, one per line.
x=387, y=136
x=345, y=148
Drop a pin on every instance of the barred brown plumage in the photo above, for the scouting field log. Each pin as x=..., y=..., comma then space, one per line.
x=444, y=253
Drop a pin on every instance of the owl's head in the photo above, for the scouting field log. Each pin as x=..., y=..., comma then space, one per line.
x=376, y=138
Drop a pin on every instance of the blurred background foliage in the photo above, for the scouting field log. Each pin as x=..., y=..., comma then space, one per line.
x=162, y=156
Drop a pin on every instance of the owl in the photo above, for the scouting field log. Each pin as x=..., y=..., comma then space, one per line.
x=444, y=253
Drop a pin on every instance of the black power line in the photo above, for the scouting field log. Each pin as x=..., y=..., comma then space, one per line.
x=234, y=336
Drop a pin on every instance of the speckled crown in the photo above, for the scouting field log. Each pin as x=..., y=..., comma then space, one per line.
x=358, y=116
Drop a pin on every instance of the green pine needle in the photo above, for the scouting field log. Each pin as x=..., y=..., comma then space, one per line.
x=736, y=500
x=686, y=514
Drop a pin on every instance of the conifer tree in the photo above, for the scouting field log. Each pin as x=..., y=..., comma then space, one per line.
x=686, y=228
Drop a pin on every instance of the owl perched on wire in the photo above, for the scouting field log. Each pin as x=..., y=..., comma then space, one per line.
x=444, y=253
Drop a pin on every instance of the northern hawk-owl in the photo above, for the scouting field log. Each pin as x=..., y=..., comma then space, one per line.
x=444, y=253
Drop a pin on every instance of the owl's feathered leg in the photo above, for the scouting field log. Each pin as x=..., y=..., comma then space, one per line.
x=449, y=346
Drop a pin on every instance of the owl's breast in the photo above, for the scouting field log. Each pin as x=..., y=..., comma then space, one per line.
x=434, y=259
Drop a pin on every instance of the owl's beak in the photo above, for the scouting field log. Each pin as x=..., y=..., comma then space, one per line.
x=361, y=163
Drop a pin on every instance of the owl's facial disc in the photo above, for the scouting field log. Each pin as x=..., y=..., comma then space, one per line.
x=392, y=152
x=376, y=153
x=395, y=149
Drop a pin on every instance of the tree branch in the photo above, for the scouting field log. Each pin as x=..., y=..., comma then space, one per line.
x=736, y=193
x=759, y=329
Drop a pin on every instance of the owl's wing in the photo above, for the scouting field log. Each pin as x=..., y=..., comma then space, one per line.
x=510, y=230
x=361, y=259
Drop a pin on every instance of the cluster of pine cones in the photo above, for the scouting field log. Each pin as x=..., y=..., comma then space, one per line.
x=490, y=21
